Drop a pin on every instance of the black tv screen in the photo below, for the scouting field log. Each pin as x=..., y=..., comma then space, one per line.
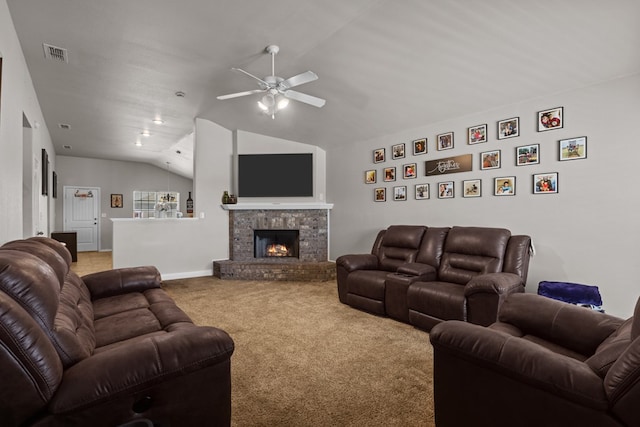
x=275, y=175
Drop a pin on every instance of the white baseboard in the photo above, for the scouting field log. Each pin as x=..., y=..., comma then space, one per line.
x=187, y=274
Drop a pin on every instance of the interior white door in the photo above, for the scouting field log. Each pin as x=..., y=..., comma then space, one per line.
x=81, y=212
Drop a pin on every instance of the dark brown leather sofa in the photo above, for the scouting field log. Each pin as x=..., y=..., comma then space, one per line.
x=104, y=350
x=424, y=275
x=544, y=363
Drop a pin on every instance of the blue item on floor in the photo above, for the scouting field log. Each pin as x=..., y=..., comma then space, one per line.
x=572, y=293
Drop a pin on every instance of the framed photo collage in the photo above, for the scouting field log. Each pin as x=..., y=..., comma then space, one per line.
x=398, y=164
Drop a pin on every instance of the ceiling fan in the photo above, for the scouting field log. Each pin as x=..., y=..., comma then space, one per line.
x=278, y=90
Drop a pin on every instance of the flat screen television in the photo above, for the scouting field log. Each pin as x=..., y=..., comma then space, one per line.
x=275, y=175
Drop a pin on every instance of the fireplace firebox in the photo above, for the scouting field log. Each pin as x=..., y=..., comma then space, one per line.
x=276, y=243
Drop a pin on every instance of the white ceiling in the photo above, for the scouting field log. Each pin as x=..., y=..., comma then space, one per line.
x=384, y=65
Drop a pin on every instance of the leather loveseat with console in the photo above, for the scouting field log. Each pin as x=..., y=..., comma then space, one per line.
x=107, y=349
x=425, y=275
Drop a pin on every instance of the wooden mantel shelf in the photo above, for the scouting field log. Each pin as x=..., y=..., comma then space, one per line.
x=275, y=206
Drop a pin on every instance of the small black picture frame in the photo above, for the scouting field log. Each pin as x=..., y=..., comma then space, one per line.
x=545, y=183
x=116, y=201
x=397, y=151
x=45, y=172
x=509, y=128
x=477, y=134
x=419, y=146
x=378, y=155
x=400, y=193
x=54, y=183
x=504, y=186
x=550, y=119
x=422, y=191
x=444, y=141
x=573, y=148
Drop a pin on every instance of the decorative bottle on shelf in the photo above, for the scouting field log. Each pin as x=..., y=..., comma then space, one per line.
x=225, y=197
x=189, y=206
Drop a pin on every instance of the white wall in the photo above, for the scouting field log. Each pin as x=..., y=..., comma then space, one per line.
x=18, y=98
x=587, y=233
x=115, y=177
x=212, y=176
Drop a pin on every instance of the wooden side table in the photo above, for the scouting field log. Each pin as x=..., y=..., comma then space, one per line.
x=70, y=239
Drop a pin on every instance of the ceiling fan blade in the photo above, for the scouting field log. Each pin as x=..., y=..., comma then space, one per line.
x=303, y=97
x=298, y=80
x=239, y=94
x=262, y=82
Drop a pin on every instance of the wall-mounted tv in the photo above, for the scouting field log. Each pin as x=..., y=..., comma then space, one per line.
x=275, y=175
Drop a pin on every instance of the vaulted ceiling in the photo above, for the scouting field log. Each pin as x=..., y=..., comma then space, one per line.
x=383, y=65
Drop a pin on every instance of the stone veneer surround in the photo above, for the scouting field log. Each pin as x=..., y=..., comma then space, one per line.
x=311, y=264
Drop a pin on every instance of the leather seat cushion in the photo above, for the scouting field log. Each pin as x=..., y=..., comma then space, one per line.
x=442, y=300
x=136, y=314
x=367, y=283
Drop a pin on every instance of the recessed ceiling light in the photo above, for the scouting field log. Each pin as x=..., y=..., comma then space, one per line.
x=138, y=144
x=180, y=94
x=145, y=133
x=158, y=121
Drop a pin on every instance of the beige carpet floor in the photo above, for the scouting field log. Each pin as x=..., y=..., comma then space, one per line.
x=304, y=359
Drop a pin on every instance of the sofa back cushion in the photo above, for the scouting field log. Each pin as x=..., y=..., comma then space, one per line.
x=432, y=246
x=375, y=249
x=61, y=307
x=400, y=245
x=51, y=257
x=30, y=368
x=517, y=256
x=610, y=350
x=470, y=251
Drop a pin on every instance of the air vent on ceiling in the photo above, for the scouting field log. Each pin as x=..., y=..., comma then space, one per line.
x=55, y=53
x=64, y=126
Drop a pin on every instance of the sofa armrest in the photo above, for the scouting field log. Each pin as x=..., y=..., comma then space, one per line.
x=486, y=293
x=519, y=360
x=121, y=281
x=421, y=272
x=576, y=328
x=495, y=283
x=355, y=262
x=133, y=368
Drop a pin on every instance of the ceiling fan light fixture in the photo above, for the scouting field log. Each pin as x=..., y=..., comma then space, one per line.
x=282, y=103
x=269, y=100
x=262, y=106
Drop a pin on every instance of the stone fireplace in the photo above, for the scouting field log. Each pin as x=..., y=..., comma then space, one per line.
x=277, y=242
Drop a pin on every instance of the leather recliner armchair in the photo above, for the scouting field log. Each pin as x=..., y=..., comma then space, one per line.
x=544, y=363
x=108, y=349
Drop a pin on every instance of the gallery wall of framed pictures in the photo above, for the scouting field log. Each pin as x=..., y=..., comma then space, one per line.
x=430, y=170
